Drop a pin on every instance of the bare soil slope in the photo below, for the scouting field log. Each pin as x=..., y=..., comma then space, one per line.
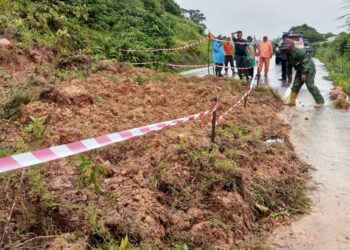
x=170, y=187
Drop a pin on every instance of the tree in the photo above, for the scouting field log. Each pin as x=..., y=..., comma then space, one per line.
x=309, y=33
x=195, y=16
x=329, y=35
x=171, y=7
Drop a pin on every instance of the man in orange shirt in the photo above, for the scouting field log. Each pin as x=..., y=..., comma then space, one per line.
x=229, y=49
x=265, y=52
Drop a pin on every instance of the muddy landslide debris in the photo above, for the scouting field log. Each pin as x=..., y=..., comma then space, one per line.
x=170, y=187
x=340, y=99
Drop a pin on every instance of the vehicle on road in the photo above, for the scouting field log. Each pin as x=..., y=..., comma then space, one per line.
x=298, y=41
x=308, y=48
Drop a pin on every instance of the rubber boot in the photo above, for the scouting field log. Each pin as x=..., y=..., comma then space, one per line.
x=292, y=99
x=318, y=105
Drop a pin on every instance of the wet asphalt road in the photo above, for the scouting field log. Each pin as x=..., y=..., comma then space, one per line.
x=322, y=139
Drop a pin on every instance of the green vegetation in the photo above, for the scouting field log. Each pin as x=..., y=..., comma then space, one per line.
x=98, y=227
x=36, y=127
x=91, y=174
x=196, y=16
x=279, y=199
x=100, y=28
x=180, y=247
x=309, y=33
x=336, y=56
x=10, y=107
x=39, y=187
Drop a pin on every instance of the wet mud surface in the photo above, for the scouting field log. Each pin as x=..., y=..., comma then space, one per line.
x=322, y=139
x=170, y=187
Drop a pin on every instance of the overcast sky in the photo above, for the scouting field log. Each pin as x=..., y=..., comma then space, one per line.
x=267, y=17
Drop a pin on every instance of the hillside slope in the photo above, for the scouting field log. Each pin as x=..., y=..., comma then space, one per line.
x=100, y=28
x=166, y=190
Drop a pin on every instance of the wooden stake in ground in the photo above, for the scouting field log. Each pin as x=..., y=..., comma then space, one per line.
x=213, y=129
x=209, y=53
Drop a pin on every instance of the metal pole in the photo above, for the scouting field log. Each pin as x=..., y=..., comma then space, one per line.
x=213, y=129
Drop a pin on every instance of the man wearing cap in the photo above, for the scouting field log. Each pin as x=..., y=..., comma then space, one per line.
x=305, y=73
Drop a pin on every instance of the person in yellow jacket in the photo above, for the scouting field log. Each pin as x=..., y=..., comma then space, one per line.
x=265, y=52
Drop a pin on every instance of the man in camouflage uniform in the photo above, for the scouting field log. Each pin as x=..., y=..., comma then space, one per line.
x=305, y=73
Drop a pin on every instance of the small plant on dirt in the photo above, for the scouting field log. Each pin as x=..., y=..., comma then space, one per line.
x=4, y=150
x=36, y=127
x=110, y=77
x=139, y=79
x=91, y=174
x=113, y=199
x=11, y=108
x=39, y=187
x=226, y=166
x=162, y=166
x=218, y=222
x=278, y=199
x=97, y=225
x=261, y=244
x=124, y=245
x=180, y=246
x=20, y=147
x=79, y=74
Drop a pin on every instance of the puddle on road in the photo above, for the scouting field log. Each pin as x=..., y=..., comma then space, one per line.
x=322, y=139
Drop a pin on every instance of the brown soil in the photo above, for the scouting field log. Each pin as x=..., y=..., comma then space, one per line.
x=171, y=187
x=340, y=98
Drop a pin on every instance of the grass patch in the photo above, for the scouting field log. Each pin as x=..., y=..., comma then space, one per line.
x=91, y=174
x=278, y=199
x=11, y=107
x=97, y=226
x=218, y=222
x=139, y=79
x=237, y=131
x=336, y=57
x=39, y=187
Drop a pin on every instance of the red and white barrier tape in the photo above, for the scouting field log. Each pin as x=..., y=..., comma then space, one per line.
x=164, y=49
x=57, y=152
x=239, y=100
x=188, y=65
x=174, y=65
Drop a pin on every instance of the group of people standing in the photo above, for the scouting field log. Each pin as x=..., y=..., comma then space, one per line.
x=243, y=52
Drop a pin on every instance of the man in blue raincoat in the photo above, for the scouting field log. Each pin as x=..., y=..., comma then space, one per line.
x=218, y=56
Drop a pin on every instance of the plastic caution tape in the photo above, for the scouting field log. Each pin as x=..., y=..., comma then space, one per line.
x=57, y=152
x=164, y=49
x=240, y=100
x=188, y=65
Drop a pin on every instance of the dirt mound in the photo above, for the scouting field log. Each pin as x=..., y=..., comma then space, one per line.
x=72, y=94
x=7, y=57
x=170, y=187
x=340, y=98
x=5, y=43
x=75, y=61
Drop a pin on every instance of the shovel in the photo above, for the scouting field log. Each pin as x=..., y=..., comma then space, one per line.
x=286, y=96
